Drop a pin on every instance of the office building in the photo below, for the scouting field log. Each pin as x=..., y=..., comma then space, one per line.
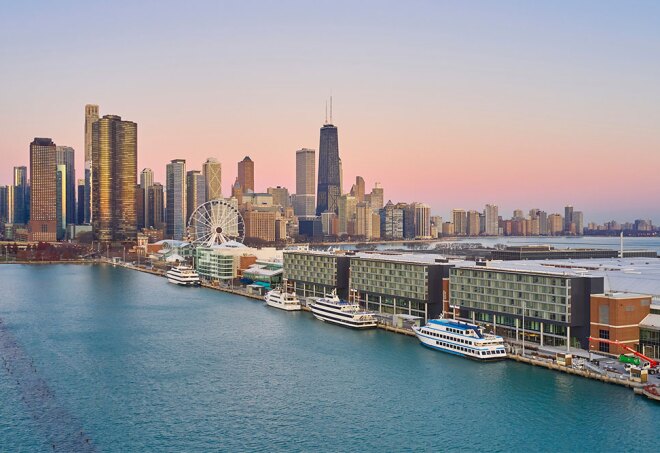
x=391, y=222
x=21, y=202
x=61, y=199
x=568, y=218
x=376, y=197
x=246, y=174
x=176, y=199
x=4, y=206
x=364, y=220
x=347, y=210
x=80, y=206
x=91, y=116
x=359, y=189
x=195, y=190
x=305, y=198
x=212, y=171
x=43, y=190
x=155, y=207
x=146, y=181
x=114, y=179
x=66, y=157
x=280, y=196
x=260, y=224
x=329, y=177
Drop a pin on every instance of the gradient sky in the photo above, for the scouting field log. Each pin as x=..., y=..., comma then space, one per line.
x=453, y=103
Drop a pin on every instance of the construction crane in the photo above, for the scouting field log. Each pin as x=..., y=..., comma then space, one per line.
x=652, y=363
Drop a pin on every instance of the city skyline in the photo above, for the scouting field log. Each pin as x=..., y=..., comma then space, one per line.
x=470, y=125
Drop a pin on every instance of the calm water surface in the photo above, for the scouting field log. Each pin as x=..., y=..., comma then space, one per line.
x=138, y=364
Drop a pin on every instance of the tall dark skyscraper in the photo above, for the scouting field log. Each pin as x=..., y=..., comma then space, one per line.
x=21, y=196
x=329, y=191
x=43, y=179
x=66, y=157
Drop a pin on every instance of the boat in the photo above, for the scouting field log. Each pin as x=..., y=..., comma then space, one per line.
x=183, y=275
x=336, y=311
x=461, y=338
x=282, y=300
x=652, y=392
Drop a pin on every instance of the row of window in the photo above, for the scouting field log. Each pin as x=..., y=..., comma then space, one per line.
x=447, y=337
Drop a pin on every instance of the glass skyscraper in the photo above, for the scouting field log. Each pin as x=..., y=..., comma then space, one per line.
x=329, y=183
x=176, y=199
x=43, y=180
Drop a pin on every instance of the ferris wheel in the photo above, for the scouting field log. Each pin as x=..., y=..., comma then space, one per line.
x=216, y=222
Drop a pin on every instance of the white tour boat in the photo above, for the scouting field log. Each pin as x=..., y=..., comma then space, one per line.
x=461, y=338
x=282, y=300
x=183, y=275
x=333, y=309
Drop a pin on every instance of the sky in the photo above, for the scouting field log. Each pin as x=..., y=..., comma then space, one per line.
x=456, y=104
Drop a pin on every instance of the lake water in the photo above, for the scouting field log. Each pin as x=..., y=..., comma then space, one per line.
x=109, y=359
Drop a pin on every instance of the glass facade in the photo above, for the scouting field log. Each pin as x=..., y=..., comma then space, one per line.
x=649, y=342
x=211, y=265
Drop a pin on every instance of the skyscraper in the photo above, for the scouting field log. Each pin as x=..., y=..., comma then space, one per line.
x=347, y=207
x=61, y=198
x=422, y=221
x=376, y=197
x=473, y=223
x=146, y=181
x=212, y=171
x=195, y=191
x=246, y=174
x=359, y=188
x=329, y=183
x=568, y=218
x=304, y=201
x=280, y=196
x=154, y=209
x=80, y=206
x=3, y=203
x=176, y=199
x=114, y=179
x=459, y=219
x=91, y=116
x=43, y=180
x=66, y=157
x=391, y=222
x=21, y=208
x=491, y=214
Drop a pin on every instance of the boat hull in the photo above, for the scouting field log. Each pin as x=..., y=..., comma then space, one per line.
x=437, y=345
x=334, y=319
x=183, y=283
x=285, y=307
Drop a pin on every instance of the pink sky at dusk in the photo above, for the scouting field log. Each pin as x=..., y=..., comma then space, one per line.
x=518, y=105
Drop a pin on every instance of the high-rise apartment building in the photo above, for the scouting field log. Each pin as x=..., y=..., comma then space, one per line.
x=4, y=205
x=473, y=226
x=578, y=220
x=66, y=156
x=176, y=199
x=195, y=190
x=364, y=220
x=304, y=204
x=329, y=179
x=422, y=220
x=212, y=171
x=114, y=179
x=491, y=219
x=91, y=116
x=555, y=224
x=246, y=174
x=459, y=219
x=43, y=182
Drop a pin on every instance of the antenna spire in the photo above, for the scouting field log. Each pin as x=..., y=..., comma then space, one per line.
x=330, y=109
x=326, y=112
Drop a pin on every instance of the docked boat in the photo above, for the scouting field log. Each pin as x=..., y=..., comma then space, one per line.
x=652, y=392
x=183, y=275
x=282, y=300
x=334, y=310
x=461, y=338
